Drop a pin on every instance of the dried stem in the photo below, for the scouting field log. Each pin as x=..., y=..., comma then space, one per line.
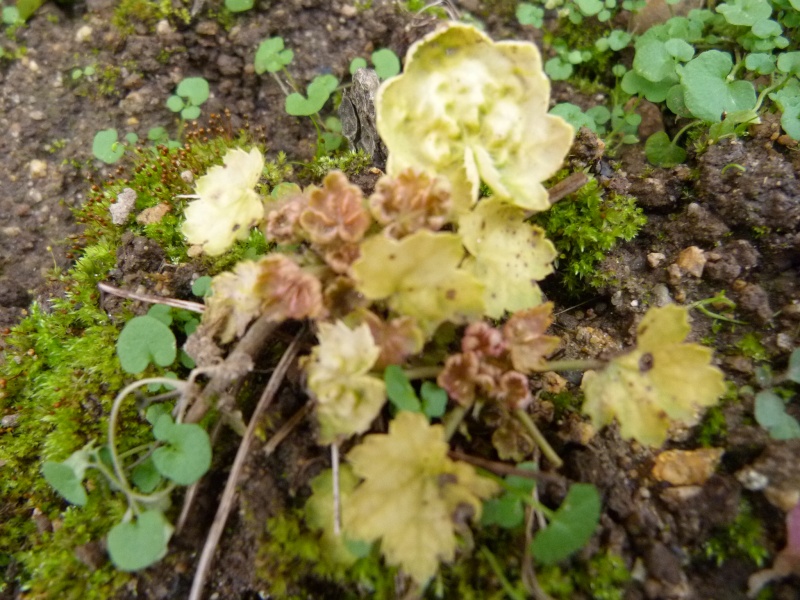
x=526, y=421
x=504, y=469
x=151, y=299
x=229, y=494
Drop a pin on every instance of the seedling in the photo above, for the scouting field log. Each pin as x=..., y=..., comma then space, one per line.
x=107, y=147
x=189, y=95
x=386, y=63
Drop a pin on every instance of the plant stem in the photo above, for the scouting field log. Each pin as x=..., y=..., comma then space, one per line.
x=498, y=571
x=229, y=494
x=453, y=419
x=570, y=364
x=423, y=372
x=526, y=421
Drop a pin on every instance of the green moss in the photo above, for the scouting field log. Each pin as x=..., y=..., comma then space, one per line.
x=129, y=13
x=349, y=162
x=292, y=565
x=603, y=577
x=713, y=429
x=743, y=538
x=584, y=227
x=750, y=346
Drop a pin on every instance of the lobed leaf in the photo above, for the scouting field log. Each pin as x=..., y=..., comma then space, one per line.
x=145, y=340
x=572, y=526
x=137, y=544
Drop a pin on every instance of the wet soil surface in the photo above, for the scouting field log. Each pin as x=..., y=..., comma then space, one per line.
x=710, y=228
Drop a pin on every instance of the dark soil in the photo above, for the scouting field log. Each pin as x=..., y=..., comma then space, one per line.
x=745, y=223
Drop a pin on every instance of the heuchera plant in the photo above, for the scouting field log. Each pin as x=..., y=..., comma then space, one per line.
x=379, y=276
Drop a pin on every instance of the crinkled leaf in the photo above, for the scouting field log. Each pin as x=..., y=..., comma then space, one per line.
x=411, y=494
x=228, y=205
x=661, y=381
x=137, y=544
x=145, y=340
x=348, y=398
x=187, y=454
x=470, y=109
x=508, y=255
x=404, y=273
x=572, y=526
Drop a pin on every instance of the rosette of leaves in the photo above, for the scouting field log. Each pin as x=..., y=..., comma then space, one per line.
x=470, y=109
x=413, y=498
x=660, y=382
x=274, y=285
x=227, y=205
x=348, y=397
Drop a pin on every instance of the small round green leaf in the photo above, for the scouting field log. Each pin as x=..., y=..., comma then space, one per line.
x=195, y=89
x=190, y=113
x=271, y=56
x=175, y=103
x=145, y=476
x=238, y=5
x=571, y=527
x=661, y=152
x=202, y=286
x=162, y=312
x=138, y=544
x=386, y=63
x=144, y=340
x=789, y=63
x=356, y=64
x=66, y=481
x=528, y=14
x=399, y=390
x=187, y=455
x=106, y=146
x=770, y=410
x=793, y=373
x=557, y=69
x=157, y=134
x=506, y=511
x=434, y=400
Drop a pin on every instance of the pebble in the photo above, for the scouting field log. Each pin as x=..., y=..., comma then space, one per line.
x=37, y=169
x=654, y=259
x=687, y=467
x=692, y=260
x=84, y=34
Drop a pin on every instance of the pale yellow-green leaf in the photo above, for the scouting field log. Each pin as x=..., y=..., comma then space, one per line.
x=348, y=398
x=508, y=255
x=470, y=109
x=228, y=206
x=411, y=495
x=660, y=382
x=419, y=277
x=319, y=513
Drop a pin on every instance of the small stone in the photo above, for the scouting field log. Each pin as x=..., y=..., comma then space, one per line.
x=37, y=169
x=654, y=259
x=692, y=260
x=163, y=28
x=348, y=11
x=154, y=214
x=207, y=28
x=687, y=467
x=84, y=34
x=553, y=383
x=187, y=176
x=123, y=206
x=37, y=115
x=9, y=420
x=674, y=273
